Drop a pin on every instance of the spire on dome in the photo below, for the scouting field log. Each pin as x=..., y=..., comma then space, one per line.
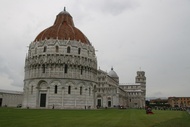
x=64, y=11
x=112, y=68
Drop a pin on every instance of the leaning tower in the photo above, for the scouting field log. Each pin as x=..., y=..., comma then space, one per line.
x=60, y=68
x=140, y=78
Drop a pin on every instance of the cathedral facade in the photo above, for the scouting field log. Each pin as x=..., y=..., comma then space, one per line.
x=61, y=72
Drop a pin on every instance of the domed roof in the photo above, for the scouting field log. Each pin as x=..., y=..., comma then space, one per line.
x=63, y=29
x=112, y=73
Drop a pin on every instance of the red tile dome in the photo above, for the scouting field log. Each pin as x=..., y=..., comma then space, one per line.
x=63, y=29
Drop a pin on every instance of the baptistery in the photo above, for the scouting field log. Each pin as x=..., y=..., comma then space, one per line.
x=60, y=68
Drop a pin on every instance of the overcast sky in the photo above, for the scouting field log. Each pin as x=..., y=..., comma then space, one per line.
x=153, y=35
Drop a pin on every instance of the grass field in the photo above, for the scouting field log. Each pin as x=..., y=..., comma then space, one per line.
x=10, y=117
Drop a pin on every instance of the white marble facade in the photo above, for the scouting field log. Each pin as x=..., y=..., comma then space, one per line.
x=64, y=79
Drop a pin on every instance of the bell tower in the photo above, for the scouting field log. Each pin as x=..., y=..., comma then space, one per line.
x=140, y=78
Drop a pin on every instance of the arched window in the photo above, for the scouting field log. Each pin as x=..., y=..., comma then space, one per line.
x=88, y=53
x=94, y=87
x=55, y=89
x=69, y=89
x=45, y=48
x=32, y=89
x=30, y=53
x=68, y=49
x=56, y=49
x=81, y=71
x=78, y=50
x=35, y=50
x=81, y=90
x=66, y=68
x=89, y=91
x=43, y=68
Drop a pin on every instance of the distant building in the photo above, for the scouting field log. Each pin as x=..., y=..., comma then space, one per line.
x=10, y=98
x=179, y=101
x=61, y=72
x=159, y=101
x=108, y=92
x=136, y=93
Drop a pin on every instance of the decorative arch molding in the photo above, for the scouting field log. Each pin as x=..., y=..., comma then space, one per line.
x=31, y=83
x=82, y=85
x=109, y=97
x=59, y=60
x=42, y=84
x=90, y=85
x=57, y=42
x=49, y=42
x=68, y=62
x=55, y=82
x=70, y=83
x=99, y=96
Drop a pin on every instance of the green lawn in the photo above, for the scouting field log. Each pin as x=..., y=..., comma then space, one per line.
x=92, y=118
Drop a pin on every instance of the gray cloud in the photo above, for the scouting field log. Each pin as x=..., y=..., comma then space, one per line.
x=116, y=7
x=12, y=70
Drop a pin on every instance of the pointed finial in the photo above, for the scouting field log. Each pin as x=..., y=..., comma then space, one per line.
x=64, y=8
x=112, y=68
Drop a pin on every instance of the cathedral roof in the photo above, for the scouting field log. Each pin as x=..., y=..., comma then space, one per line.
x=112, y=73
x=63, y=29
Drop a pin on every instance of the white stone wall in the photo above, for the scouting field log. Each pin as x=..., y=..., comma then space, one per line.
x=52, y=61
x=60, y=63
x=11, y=99
x=61, y=99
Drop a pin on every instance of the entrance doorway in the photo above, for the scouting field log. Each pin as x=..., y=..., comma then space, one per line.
x=99, y=103
x=109, y=103
x=1, y=102
x=43, y=100
x=135, y=105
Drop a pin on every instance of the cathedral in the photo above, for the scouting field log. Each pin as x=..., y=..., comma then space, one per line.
x=61, y=72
